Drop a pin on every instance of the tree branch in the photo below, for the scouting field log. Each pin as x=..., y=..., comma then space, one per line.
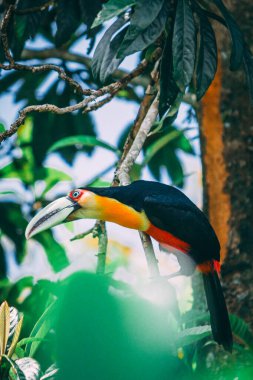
x=143, y=81
x=100, y=231
x=134, y=151
x=111, y=89
x=123, y=174
x=29, y=54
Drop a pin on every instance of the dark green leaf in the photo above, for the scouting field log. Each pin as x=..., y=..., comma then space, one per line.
x=241, y=330
x=159, y=144
x=13, y=224
x=134, y=42
x=174, y=168
x=184, y=44
x=236, y=36
x=207, y=60
x=82, y=140
x=25, y=341
x=55, y=252
x=41, y=329
x=3, y=264
x=160, y=151
x=168, y=87
x=25, y=26
x=155, y=167
x=105, y=61
x=2, y=128
x=193, y=335
x=112, y=9
x=184, y=144
x=67, y=20
x=23, y=284
x=248, y=65
x=145, y=12
x=69, y=124
x=89, y=10
x=15, y=372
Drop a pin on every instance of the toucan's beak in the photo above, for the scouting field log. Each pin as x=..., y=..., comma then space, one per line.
x=53, y=214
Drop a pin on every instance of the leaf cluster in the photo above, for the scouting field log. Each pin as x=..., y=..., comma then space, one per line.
x=17, y=363
x=183, y=29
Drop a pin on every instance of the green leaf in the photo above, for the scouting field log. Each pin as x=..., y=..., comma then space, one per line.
x=168, y=87
x=82, y=140
x=25, y=341
x=145, y=12
x=41, y=329
x=70, y=125
x=193, y=335
x=236, y=36
x=104, y=61
x=159, y=144
x=52, y=177
x=13, y=224
x=89, y=10
x=241, y=330
x=248, y=65
x=3, y=264
x=15, y=372
x=207, y=60
x=55, y=252
x=184, y=44
x=67, y=20
x=112, y=9
x=174, y=168
x=134, y=42
x=2, y=128
x=25, y=26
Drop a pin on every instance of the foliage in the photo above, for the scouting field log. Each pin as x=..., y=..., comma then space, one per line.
x=15, y=363
x=179, y=24
x=93, y=325
x=107, y=329
x=161, y=151
x=23, y=169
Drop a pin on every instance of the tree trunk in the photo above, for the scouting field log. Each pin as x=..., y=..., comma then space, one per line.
x=226, y=119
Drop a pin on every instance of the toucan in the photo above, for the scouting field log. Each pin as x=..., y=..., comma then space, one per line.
x=167, y=215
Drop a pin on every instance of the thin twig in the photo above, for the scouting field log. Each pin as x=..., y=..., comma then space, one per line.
x=111, y=89
x=33, y=68
x=100, y=231
x=82, y=235
x=53, y=53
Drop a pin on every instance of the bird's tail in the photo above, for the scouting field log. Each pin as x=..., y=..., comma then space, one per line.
x=219, y=318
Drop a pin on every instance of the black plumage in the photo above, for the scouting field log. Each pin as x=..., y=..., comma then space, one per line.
x=168, y=209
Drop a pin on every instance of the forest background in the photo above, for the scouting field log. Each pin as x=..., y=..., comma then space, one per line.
x=80, y=115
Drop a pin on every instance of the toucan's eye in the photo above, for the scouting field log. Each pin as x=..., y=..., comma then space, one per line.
x=75, y=194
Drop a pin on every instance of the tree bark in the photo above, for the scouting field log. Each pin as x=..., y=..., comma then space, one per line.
x=226, y=124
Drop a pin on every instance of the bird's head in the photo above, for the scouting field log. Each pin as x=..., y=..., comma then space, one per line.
x=78, y=204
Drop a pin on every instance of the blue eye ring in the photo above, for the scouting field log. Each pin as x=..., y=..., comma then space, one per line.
x=75, y=194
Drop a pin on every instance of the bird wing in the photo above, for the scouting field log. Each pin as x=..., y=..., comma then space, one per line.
x=184, y=221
